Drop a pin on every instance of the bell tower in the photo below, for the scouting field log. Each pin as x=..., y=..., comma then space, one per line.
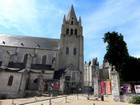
x=71, y=46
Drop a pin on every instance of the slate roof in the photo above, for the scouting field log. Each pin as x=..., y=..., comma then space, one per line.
x=28, y=41
x=72, y=68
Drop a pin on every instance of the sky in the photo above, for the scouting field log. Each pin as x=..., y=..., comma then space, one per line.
x=43, y=18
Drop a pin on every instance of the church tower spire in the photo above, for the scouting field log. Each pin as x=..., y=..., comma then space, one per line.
x=71, y=45
x=80, y=22
x=64, y=19
x=71, y=14
x=71, y=26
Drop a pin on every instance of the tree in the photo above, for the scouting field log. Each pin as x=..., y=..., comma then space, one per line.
x=117, y=55
x=117, y=52
x=130, y=69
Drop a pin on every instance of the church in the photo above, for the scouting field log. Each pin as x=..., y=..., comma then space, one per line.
x=37, y=65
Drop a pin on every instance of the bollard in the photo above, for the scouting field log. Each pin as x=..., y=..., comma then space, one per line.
x=77, y=96
x=0, y=102
x=102, y=97
x=50, y=102
x=51, y=94
x=65, y=99
x=12, y=101
x=35, y=98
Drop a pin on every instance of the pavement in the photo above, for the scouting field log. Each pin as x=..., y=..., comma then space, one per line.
x=62, y=100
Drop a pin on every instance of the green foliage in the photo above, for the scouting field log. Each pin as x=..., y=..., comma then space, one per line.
x=135, y=100
x=131, y=67
x=116, y=48
x=3, y=96
x=117, y=55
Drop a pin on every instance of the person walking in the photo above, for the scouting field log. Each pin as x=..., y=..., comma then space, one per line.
x=90, y=92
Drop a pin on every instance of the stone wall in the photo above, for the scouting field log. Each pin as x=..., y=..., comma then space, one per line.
x=71, y=43
x=88, y=74
x=91, y=72
x=115, y=84
x=16, y=54
x=32, y=85
x=14, y=88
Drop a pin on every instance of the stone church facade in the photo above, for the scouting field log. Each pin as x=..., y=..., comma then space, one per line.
x=34, y=63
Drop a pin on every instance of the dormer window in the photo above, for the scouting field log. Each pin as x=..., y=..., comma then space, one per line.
x=3, y=42
x=22, y=44
x=38, y=45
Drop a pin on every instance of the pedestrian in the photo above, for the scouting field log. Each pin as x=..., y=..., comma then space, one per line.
x=90, y=89
x=90, y=92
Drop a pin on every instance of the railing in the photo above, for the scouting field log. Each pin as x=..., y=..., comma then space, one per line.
x=51, y=101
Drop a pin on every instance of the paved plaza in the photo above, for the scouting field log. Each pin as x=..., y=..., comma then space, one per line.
x=61, y=100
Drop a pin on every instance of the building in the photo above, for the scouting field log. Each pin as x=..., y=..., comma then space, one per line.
x=34, y=64
x=91, y=69
x=91, y=75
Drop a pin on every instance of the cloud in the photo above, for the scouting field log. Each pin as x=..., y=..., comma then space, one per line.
x=136, y=54
x=18, y=14
x=28, y=16
x=112, y=15
x=43, y=18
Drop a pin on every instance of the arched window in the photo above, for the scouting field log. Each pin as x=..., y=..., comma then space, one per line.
x=71, y=22
x=71, y=32
x=67, y=31
x=44, y=59
x=25, y=58
x=10, y=81
x=74, y=51
x=67, y=50
x=75, y=31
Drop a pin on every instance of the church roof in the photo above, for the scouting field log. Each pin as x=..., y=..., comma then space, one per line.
x=28, y=41
x=71, y=67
